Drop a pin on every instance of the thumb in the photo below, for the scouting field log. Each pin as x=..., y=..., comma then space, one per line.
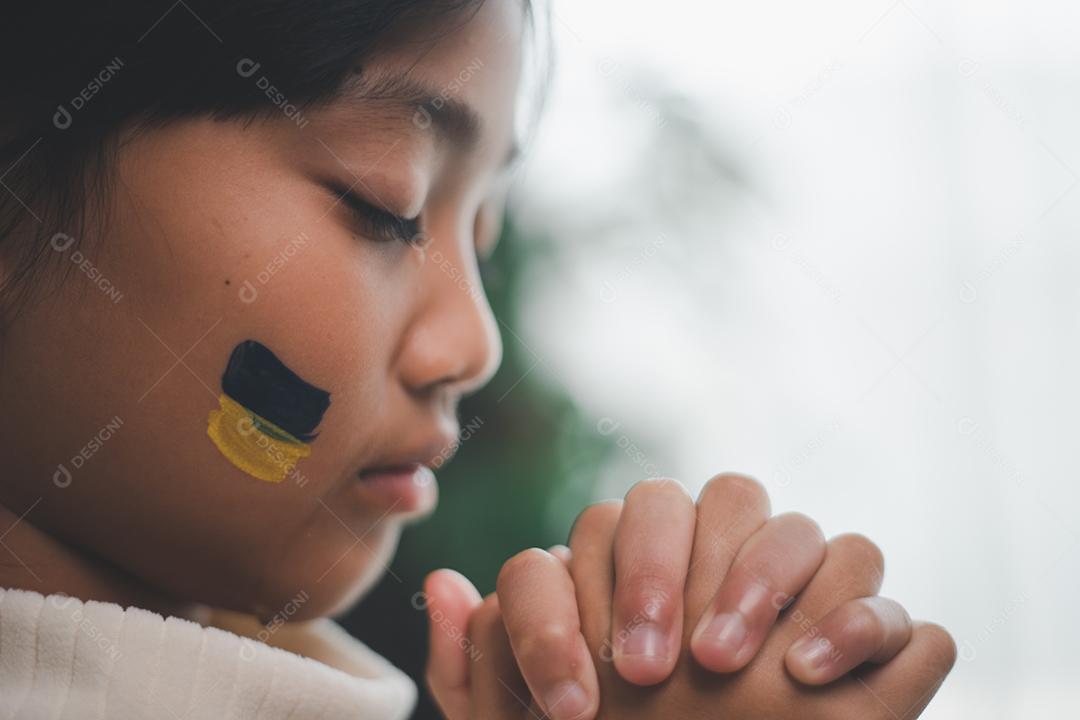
x=450, y=600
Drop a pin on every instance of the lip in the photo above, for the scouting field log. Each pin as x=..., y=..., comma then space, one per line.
x=408, y=488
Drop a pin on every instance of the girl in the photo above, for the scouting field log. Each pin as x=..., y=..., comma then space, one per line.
x=238, y=253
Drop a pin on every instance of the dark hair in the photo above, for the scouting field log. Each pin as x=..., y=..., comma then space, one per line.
x=92, y=69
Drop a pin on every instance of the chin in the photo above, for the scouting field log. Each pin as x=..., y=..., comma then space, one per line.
x=328, y=593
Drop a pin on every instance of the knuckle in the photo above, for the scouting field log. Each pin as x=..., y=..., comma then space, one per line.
x=646, y=590
x=940, y=647
x=737, y=488
x=761, y=567
x=548, y=643
x=807, y=529
x=864, y=551
x=597, y=515
x=789, y=542
x=864, y=623
x=646, y=490
x=524, y=563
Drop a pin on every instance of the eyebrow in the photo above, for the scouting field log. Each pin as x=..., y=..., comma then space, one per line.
x=450, y=118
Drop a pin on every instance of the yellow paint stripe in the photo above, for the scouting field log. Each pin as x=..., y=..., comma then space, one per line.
x=233, y=430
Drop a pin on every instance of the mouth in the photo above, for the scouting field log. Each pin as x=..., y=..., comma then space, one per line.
x=408, y=488
x=405, y=483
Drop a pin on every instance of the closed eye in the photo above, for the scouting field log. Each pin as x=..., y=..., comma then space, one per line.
x=379, y=224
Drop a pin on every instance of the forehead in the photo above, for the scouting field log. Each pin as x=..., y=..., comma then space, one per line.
x=452, y=47
x=457, y=75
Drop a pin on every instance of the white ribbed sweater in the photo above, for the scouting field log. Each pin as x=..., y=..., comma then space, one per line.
x=64, y=659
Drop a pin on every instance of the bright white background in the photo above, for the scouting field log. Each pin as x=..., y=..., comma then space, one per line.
x=843, y=259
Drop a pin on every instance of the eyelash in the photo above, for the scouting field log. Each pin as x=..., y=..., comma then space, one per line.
x=382, y=225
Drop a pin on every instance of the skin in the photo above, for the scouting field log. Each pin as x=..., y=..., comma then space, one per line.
x=517, y=665
x=397, y=334
x=196, y=208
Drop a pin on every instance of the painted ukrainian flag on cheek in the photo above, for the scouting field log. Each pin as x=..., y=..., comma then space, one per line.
x=267, y=415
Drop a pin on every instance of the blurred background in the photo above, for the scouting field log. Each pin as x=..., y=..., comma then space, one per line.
x=831, y=245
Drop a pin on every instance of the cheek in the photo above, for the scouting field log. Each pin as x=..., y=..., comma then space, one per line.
x=280, y=273
x=197, y=280
x=322, y=312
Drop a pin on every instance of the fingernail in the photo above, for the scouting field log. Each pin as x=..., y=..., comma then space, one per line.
x=646, y=640
x=813, y=655
x=726, y=632
x=566, y=701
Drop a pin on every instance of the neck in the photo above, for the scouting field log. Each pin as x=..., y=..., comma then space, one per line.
x=31, y=559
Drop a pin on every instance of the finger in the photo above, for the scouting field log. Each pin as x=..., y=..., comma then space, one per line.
x=853, y=568
x=450, y=600
x=539, y=608
x=907, y=683
x=496, y=689
x=775, y=563
x=730, y=509
x=652, y=552
x=562, y=552
x=592, y=565
x=872, y=629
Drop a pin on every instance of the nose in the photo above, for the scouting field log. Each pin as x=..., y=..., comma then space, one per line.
x=452, y=341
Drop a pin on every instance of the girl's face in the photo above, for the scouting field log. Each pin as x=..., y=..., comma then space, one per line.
x=221, y=232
